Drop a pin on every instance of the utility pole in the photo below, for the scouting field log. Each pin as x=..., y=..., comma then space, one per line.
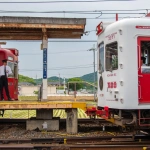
x=59, y=81
x=64, y=84
x=94, y=49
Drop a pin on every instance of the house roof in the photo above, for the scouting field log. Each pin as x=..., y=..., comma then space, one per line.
x=25, y=83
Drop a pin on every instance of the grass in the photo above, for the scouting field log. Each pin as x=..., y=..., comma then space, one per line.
x=32, y=113
x=30, y=98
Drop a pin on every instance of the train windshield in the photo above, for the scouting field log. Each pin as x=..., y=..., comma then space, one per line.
x=145, y=57
x=11, y=65
x=112, y=56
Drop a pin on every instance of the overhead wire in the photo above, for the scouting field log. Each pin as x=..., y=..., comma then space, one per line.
x=69, y=66
x=58, y=1
x=22, y=70
x=95, y=12
x=55, y=52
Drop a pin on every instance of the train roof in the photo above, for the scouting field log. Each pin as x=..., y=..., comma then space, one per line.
x=139, y=23
x=13, y=51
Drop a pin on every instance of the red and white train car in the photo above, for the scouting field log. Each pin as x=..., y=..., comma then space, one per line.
x=11, y=54
x=123, y=82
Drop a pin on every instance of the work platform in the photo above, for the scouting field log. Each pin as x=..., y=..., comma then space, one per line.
x=44, y=113
x=15, y=105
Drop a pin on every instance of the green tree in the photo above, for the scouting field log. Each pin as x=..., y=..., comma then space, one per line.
x=23, y=78
x=78, y=85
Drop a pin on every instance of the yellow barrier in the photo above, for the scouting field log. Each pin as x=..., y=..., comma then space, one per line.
x=65, y=141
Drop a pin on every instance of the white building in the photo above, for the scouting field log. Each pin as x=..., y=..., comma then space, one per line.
x=28, y=90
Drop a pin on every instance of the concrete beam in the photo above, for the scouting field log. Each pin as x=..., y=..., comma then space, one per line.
x=72, y=121
x=52, y=125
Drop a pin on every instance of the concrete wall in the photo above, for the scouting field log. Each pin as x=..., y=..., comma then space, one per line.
x=29, y=90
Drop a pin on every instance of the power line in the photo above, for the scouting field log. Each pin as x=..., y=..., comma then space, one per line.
x=54, y=52
x=64, y=1
x=115, y=17
x=59, y=68
x=66, y=67
x=53, y=41
x=75, y=12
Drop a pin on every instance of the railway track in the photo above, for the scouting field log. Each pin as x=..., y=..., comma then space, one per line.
x=75, y=140
x=5, y=120
x=84, y=125
x=79, y=143
x=74, y=147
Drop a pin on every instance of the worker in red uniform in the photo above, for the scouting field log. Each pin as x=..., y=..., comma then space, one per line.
x=5, y=70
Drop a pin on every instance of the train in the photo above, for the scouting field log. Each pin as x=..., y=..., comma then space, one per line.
x=123, y=52
x=11, y=54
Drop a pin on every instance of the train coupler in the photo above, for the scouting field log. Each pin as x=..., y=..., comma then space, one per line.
x=93, y=112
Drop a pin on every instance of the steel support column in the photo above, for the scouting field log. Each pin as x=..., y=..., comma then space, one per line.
x=44, y=47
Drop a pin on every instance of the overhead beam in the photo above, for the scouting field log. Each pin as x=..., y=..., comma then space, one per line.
x=24, y=30
x=19, y=37
x=36, y=37
x=40, y=33
x=49, y=26
x=30, y=28
x=45, y=20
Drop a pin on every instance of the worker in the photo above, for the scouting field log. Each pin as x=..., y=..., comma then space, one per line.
x=143, y=61
x=5, y=70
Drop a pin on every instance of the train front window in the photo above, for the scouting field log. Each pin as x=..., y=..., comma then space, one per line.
x=16, y=70
x=145, y=57
x=101, y=57
x=11, y=65
x=112, y=56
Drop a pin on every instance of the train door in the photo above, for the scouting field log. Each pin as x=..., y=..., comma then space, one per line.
x=144, y=69
x=13, y=80
x=16, y=81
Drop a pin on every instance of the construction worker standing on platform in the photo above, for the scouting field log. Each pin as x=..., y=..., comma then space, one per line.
x=5, y=70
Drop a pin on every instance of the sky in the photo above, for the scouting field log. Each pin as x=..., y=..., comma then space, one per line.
x=67, y=59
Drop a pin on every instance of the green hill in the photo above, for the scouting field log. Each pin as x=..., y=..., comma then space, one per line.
x=23, y=78
x=87, y=77
x=50, y=79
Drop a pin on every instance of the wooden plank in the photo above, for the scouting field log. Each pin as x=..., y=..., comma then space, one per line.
x=14, y=105
x=49, y=26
